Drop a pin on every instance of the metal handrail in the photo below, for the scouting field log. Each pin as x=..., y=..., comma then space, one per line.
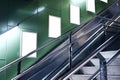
x=104, y=18
x=94, y=53
x=108, y=62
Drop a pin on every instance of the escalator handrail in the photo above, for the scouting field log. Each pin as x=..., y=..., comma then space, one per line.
x=93, y=54
x=50, y=42
x=104, y=18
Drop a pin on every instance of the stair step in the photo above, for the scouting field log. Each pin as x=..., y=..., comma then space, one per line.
x=111, y=77
x=79, y=77
x=89, y=70
x=108, y=54
x=86, y=77
x=111, y=70
x=95, y=61
x=115, y=62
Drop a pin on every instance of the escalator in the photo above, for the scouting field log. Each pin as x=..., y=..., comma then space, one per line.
x=81, y=45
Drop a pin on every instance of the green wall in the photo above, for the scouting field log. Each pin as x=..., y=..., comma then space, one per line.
x=14, y=12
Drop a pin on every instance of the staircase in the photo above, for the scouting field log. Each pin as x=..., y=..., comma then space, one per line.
x=113, y=69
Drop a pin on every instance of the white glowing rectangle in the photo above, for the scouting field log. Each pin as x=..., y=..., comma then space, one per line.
x=106, y=1
x=74, y=14
x=29, y=43
x=90, y=5
x=54, y=26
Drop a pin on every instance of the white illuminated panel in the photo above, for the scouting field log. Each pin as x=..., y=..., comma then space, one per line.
x=77, y=2
x=106, y=1
x=90, y=5
x=29, y=43
x=10, y=32
x=74, y=14
x=54, y=26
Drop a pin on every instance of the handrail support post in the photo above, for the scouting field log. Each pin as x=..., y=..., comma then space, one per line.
x=19, y=68
x=70, y=49
x=103, y=70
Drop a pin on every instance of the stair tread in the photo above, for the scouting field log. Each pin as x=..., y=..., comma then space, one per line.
x=108, y=54
x=89, y=70
x=80, y=77
x=92, y=69
x=111, y=77
x=113, y=70
x=86, y=77
x=115, y=62
x=95, y=61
